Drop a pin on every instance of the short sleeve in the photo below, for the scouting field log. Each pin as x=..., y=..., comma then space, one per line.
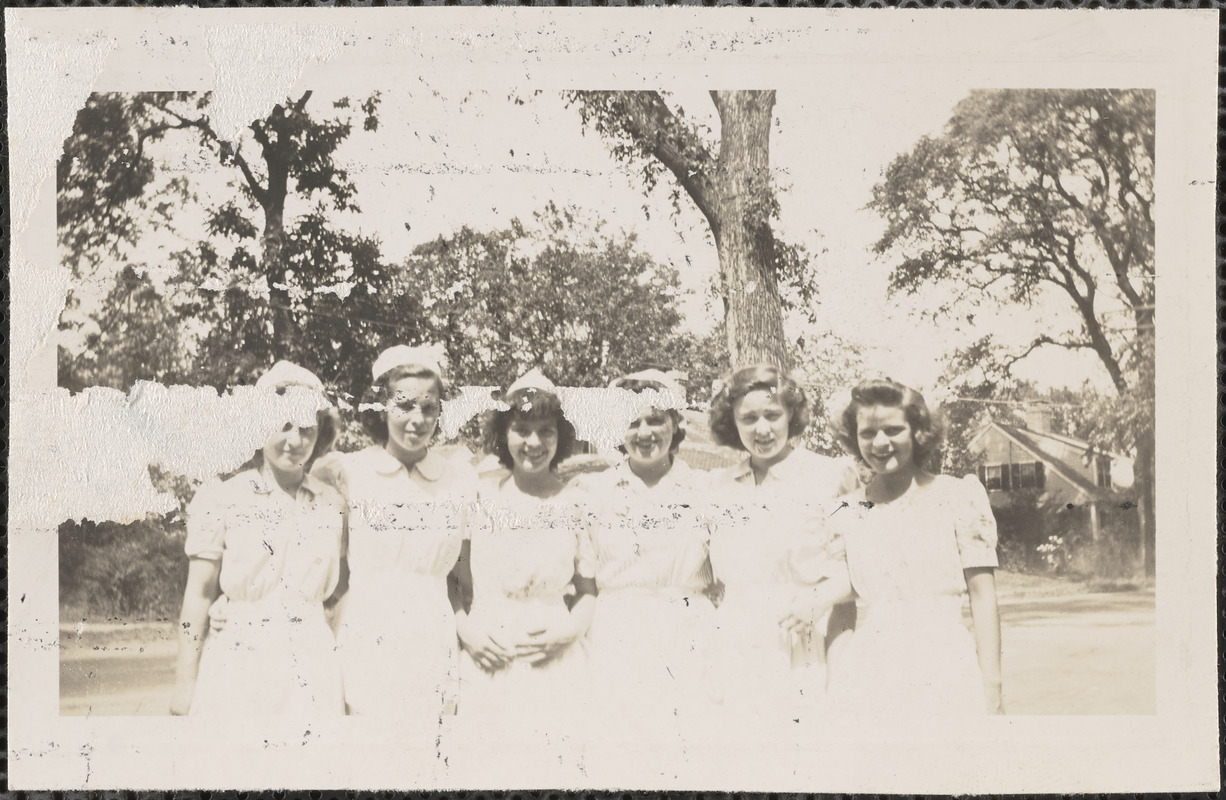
x=330, y=468
x=206, y=523
x=819, y=557
x=975, y=525
x=849, y=477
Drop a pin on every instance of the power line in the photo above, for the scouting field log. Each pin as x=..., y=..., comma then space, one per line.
x=1049, y=403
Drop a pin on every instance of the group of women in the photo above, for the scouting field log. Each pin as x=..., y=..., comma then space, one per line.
x=645, y=598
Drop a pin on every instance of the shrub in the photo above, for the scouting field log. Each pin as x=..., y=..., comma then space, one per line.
x=110, y=570
x=1054, y=538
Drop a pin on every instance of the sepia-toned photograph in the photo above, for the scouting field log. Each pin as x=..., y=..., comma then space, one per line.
x=474, y=423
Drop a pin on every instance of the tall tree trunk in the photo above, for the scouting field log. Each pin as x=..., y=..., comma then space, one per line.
x=272, y=246
x=1145, y=469
x=743, y=237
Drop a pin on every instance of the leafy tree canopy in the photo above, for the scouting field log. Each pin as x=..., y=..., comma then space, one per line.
x=558, y=292
x=270, y=271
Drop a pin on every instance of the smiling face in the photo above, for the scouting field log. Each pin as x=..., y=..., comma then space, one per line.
x=288, y=450
x=648, y=439
x=412, y=414
x=885, y=439
x=532, y=444
x=762, y=423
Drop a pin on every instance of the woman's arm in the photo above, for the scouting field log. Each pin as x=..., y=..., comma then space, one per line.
x=550, y=643
x=201, y=591
x=811, y=604
x=342, y=577
x=489, y=653
x=981, y=585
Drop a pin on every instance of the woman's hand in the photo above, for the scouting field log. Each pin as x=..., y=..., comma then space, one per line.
x=217, y=615
x=546, y=644
x=995, y=699
x=181, y=698
x=490, y=654
x=811, y=605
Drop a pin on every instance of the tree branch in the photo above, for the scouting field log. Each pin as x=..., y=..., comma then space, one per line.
x=202, y=124
x=656, y=128
x=1038, y=342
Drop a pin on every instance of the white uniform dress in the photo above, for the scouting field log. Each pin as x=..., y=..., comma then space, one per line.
x=395, y=625
x=769, y=542
x=649, y=550
x=911, y=653
x=525, y=555
x=280, y=559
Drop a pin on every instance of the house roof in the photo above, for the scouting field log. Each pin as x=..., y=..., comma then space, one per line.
x=1039, y=445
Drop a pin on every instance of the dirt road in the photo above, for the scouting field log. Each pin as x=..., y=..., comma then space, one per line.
x=1068, y=654
x=1083, y=654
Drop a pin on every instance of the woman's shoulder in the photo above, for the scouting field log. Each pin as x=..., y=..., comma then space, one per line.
x=730, y=475
x=334, y=462
x=968, y=486
x=216, y=491
x=454, y=464
x=595, y=482
x=326, y=494
x=216, y=495
x=490, y=482
x=810, y=460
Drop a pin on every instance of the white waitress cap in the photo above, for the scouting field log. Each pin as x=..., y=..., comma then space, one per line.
x=286, y=373
x=669, y=383
x=532, y=379
x=429, y=357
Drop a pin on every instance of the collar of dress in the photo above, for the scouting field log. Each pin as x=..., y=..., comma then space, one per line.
x=429, y=466
x=262, y=481
x=795, y=462
x=626, y=476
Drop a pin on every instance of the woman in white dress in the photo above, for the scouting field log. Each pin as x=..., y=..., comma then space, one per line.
x=269, y=538
x=523, y=673
x=917, y=543
x=770, y=546
x=407, y=519
x=653, y=576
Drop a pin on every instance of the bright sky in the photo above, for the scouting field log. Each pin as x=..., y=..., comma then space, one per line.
x=441, y=160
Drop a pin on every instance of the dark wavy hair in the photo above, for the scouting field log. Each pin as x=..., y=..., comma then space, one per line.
x=638, y=386
x=751, y=379
x=926, y=427
x=527, y=404
x=374, y=420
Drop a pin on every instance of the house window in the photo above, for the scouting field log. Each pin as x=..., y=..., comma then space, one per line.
x=1008, y=477
x=1028, y=475
x=1103, y=466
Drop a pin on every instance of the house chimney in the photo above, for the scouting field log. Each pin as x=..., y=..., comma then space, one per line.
x=1038, y=418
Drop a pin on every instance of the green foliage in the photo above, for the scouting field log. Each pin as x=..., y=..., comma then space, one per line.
x=729, y=181
x=108, y=191
x=1028, y=192
x=704, y=359
x=636, y=125
x=559, y=294
x=257, y=286
x=1033, y=194
x=135, y=335
x=826, y=365
x=110, y=570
